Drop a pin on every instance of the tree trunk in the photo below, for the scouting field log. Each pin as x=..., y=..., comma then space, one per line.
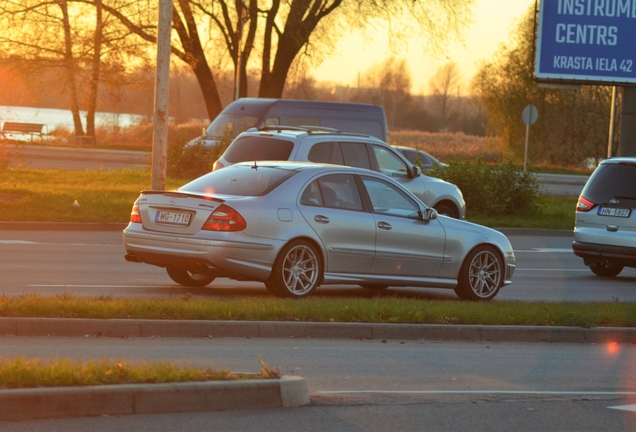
x=95, y=73
x=71, y=69
x=195, y=57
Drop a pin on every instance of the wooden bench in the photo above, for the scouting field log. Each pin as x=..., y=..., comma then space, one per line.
x=25, y=129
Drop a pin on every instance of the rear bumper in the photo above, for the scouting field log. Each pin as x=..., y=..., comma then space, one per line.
x=238, y=259
x=593, y=253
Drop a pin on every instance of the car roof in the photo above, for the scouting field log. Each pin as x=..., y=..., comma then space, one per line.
x=303, y=132
x=302, y=166
x=616, y=160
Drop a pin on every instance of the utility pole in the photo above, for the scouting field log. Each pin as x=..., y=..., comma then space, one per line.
x=162, y=95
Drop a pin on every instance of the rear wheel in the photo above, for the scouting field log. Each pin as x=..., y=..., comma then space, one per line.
x=481, y=275
x=187, y=278
x=297, y=270
x=606, y=269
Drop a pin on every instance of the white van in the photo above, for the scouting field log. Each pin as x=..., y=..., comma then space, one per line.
x=246, y=113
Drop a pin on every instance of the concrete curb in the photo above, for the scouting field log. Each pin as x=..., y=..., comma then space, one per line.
x=85, y=327
x=52, y=402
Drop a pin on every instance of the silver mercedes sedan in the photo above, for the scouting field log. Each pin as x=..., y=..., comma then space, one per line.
x=296, y=226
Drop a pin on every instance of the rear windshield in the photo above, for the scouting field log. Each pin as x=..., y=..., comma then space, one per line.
x=258, y=148
x=611, y=181
x=239, y=180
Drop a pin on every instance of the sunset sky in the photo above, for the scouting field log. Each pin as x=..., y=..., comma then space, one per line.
x=494, y=19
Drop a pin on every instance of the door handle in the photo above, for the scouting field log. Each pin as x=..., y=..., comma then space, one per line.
x=384, y=225
x=321, y=219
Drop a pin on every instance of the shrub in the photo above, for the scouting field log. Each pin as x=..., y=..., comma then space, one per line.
x=492, y=189
x=194, y=161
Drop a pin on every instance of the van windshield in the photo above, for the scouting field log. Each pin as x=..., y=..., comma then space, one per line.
x=236, y=123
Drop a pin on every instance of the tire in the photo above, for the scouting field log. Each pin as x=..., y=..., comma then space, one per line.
x=189, y=279
x=374, y=287
x=481, y=275
x=297, y=270
x=607, y=269
x=447, y=210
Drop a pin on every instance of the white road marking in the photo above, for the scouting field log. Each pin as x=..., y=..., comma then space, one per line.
x=93, y=286
x=552, y=270
x=17, y=242
x=624, y=407
x=548, y=250
x=504, y=392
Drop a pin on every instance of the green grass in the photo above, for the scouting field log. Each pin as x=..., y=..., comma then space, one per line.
x=555, y=213
x=107, y=197
x=48, y=195
x=315, y=309
x=28, y=373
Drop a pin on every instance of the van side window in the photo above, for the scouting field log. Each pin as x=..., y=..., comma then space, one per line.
x=355, y=155
x=272, y=121
x=389, y=163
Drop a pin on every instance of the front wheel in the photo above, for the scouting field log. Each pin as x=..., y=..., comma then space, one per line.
x=189, y=279
x=297, y=270
x=481, y=275
x=607, y=269
x=447, y=210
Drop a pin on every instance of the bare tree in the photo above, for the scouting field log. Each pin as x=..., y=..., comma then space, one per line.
x=444, y=85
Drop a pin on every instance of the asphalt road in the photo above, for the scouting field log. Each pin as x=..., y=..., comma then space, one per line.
x=361, y=385
x=91, y=263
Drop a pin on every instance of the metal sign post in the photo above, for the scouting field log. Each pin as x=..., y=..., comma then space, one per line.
x=529, y=116
x=162, y=94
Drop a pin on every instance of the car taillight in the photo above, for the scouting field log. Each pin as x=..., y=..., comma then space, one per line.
x=134, y=214
x=225, y=218
x=217, y=165
x=584, y=205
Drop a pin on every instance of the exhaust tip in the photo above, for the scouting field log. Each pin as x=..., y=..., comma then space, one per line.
x=132, y=258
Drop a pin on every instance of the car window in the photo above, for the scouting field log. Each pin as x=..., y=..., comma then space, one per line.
x=258, y=148
x=611, y=181
x=355, y=155
x=233, y=123
x=272, y=121
x=388, y=199
x=335, y=191
x=388, y=162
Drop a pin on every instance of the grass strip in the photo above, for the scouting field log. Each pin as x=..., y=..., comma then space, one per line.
x=29, y=195
x=382, y=309
x=30, y=373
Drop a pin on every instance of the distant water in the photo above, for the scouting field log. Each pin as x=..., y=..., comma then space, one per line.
x=58, y=118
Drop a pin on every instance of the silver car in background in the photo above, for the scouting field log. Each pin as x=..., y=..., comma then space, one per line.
x=324, y=145
x=296, y=226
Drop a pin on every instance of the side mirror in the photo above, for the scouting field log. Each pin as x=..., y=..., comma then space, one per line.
x=429, y=214
x=416, y=172
x=203, y=134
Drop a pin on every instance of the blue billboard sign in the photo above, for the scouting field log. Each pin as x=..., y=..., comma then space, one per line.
x=586, y=41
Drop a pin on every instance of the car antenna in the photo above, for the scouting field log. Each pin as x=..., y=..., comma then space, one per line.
x=255, y=167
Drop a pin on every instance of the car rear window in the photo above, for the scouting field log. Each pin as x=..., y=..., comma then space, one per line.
x=239, y=180
x=611, y=181
x=255, y=148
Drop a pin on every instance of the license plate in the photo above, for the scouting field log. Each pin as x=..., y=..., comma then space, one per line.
x=172, y=218
x=613, y=211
